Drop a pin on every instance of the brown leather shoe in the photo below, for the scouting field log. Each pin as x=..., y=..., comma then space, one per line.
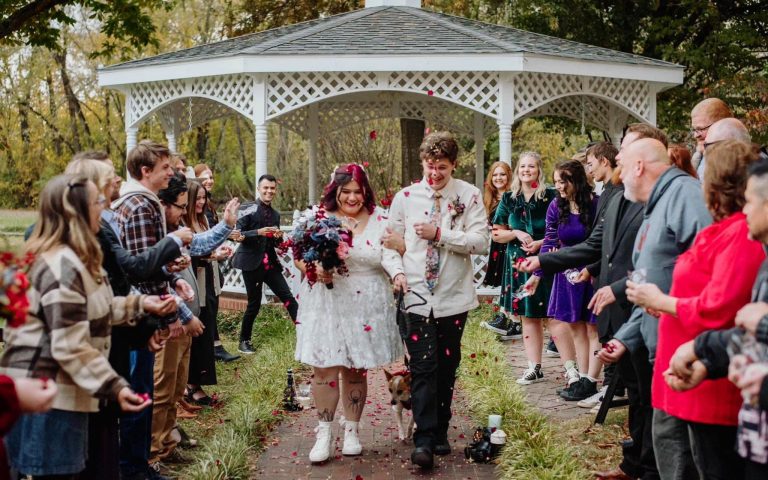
x=615, y=474
x=183, y=403
x=182, y=413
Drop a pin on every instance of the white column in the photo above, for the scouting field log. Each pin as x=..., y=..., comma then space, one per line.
x=505, y=143
x=479, y=151
x=131, y=140
x=170, y=137
x=312, y=122
x=261, y=150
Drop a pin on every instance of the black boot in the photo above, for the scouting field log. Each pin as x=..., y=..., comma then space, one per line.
x=246, y=348
x=222, y=355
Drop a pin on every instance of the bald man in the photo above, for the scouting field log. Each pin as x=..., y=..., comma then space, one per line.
x=725, y=129
x=703, y=116
x=675, y=212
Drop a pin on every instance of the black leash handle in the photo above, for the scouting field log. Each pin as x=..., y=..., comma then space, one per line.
x=402, y=316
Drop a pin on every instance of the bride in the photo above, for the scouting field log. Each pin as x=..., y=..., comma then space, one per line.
x=344, y=331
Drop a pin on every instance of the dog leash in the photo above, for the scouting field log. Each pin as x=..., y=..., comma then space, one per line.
x=403, y=321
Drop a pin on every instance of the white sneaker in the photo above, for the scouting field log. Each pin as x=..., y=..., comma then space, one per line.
x=531, y=375
x=593, y=400
x=351, y=440
x=323, y=446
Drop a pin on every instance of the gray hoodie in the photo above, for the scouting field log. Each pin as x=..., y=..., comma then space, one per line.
x=674, y=215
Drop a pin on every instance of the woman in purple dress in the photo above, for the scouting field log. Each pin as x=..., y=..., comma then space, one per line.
x=569, y=218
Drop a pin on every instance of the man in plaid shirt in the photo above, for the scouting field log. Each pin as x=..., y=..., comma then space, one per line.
x=141, y=219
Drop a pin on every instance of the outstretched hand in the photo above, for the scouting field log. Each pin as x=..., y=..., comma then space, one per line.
x=230, y=212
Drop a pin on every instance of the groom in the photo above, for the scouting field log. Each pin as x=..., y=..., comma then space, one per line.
x=443, y=221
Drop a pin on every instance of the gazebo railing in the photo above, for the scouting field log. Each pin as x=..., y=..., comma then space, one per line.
x=233, y=278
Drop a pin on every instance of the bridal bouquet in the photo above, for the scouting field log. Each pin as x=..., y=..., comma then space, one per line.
x=320, y=239
x=13, y=289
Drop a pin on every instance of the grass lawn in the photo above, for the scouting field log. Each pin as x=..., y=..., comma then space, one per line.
x=13, y=223
x=232, y=436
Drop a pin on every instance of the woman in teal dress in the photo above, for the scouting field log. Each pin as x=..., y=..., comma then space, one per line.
x=520, y=222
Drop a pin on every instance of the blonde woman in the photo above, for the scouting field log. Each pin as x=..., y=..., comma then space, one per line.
x=520, y=222
x=66, y=336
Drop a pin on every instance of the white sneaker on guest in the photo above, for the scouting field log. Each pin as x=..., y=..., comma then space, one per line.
x=595, y=399
x=351, y=440
x=323, y=445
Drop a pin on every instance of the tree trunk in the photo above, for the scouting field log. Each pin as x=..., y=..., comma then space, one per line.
x=411, y=135
x=73, y=104
x=52, y=110
x=201, y=142
x=23, y=104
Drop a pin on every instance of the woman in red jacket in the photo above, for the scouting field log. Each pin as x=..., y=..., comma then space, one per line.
x=710, y=283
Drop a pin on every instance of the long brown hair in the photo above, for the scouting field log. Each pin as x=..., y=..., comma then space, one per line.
x=196, y=221
x=725, y=178
x=64, y=221
x=490, y=192
x=681, y=158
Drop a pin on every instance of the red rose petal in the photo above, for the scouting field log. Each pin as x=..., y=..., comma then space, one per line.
x=367, y=328
x=406, y=193
x=430, y=92
x=332, y=384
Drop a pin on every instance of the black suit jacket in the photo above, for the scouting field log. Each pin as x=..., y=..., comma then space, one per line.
x=610, y=245
x=123, y=269
x=250, y=255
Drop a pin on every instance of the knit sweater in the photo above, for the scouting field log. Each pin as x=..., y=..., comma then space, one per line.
x=66, y=336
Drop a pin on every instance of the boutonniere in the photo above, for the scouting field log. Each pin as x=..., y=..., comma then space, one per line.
x=455, y=208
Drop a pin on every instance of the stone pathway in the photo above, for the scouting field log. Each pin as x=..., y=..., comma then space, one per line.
x=384, y=455
x=543, y=394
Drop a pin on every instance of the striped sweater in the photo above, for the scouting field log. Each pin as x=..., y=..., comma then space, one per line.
x=67, y=333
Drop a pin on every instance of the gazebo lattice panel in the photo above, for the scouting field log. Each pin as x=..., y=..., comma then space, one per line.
x=478, y=91
x=592, y=111
x=533, y=90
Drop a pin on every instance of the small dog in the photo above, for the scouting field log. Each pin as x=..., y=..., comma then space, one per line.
x=399, y=384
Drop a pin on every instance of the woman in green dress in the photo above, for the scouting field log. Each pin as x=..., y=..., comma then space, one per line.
x=520, y=222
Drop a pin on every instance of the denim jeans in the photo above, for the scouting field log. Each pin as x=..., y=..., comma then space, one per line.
x=136, y=428
x=673, y=447
x=714, y=451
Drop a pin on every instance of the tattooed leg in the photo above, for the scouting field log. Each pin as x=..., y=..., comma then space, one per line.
x=325, y=390
x=354, y=392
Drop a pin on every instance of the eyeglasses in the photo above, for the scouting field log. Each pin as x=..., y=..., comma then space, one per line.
x=180, y=207
x=697, y=130
x=709, y=144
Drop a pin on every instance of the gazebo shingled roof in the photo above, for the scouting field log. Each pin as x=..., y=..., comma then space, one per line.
x=394, y=31
x=384, y=61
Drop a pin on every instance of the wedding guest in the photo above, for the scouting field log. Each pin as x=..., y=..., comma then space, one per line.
x=499, y=180
x=444, y=223
x=103, y=433
x=67, y=331
x=345, y=331
x=707, y=357
x=172, y=362
x=141, y=225
x=703, y=115
x=520, y=222
x=674, y=213
x=569, y=221
x=256, y=257
x=205, y=175
x=710, y=283
x=202, y=366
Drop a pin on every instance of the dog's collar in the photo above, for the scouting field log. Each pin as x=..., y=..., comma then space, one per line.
x=401, y=373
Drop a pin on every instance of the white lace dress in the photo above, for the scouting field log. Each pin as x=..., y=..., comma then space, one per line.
x=353, y=324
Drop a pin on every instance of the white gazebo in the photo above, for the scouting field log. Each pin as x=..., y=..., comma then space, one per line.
x=391, y=59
